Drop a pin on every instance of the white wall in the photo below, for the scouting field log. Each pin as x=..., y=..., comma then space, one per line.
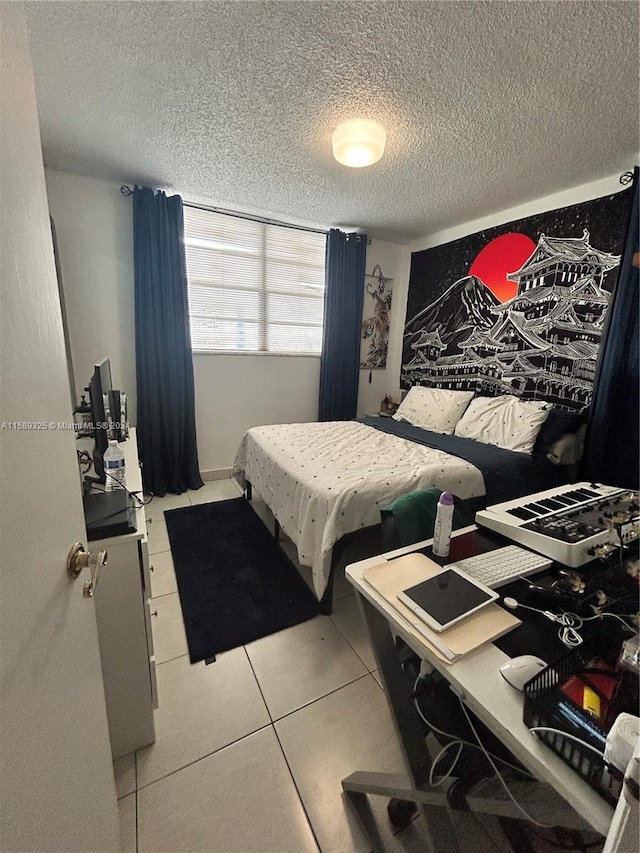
x=94, y=229
x=236, y=392
x=95, y=242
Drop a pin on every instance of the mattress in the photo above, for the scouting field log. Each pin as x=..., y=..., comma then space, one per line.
x=323, y=480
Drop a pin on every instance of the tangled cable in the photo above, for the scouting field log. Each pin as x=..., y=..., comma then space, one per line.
x=569, y=623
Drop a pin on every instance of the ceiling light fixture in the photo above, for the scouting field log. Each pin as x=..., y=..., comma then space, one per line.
x=358, y=143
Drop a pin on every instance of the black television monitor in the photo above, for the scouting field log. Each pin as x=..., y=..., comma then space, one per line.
x=99, y=389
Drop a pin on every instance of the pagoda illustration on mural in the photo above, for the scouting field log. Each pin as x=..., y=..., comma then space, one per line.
x=543, y=342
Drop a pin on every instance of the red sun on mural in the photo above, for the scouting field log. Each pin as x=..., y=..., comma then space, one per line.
x=497, y=259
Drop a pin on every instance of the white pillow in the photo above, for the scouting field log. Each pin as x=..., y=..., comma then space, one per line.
x=436, y=409
x=504, y=422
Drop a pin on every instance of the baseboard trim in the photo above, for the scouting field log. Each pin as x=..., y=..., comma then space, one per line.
x=216, y=474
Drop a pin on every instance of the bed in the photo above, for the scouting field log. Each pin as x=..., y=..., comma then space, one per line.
x=325, y=481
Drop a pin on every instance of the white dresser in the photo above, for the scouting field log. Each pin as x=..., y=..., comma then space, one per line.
x=123, y=613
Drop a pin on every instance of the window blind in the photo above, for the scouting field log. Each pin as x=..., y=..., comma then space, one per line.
x=253, y=287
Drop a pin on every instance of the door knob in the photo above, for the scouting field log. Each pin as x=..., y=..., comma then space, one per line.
x=80, y=559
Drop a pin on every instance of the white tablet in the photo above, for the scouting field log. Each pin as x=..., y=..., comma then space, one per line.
x=446, y=598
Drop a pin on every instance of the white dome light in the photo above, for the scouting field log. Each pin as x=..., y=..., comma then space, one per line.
x=358, y=143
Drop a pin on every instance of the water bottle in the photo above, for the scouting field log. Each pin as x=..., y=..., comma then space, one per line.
x=113, y=460
x=443, y=526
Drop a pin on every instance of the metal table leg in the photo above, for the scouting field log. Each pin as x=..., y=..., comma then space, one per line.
x=432, y=803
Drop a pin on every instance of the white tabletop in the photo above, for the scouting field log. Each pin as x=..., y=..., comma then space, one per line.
x=133, y=482
x=476, y=678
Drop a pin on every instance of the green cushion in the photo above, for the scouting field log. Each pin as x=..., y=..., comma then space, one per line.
x=414, y=515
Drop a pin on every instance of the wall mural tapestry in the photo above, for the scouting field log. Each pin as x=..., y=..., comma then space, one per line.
x=518, y=308
x=376, y=320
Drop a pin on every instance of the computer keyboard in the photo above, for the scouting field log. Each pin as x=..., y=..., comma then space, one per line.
x=499, y=567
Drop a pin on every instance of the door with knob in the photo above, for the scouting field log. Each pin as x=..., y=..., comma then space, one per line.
x=57, y=786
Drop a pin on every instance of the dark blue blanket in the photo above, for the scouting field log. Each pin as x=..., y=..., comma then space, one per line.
x=507, y=475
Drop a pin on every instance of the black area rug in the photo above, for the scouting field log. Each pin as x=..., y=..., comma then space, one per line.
x=234, y=581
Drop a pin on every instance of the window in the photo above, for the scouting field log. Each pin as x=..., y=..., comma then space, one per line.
x=253, y=287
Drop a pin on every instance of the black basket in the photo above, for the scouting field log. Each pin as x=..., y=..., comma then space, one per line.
x=549, y=702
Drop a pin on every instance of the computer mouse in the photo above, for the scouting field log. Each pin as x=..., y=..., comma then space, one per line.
x=518, y=671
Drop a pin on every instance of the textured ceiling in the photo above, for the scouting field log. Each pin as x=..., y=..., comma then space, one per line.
x=486, y=104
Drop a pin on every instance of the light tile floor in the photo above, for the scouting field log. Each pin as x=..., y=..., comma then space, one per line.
x=251, y=749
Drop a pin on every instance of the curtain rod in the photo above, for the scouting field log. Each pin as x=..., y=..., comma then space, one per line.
x=264, y=220
x=125, y=190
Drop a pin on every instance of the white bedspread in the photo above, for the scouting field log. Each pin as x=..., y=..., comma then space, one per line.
x=322, y=480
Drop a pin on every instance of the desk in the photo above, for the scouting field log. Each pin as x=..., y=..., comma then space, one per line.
x=476, y=679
